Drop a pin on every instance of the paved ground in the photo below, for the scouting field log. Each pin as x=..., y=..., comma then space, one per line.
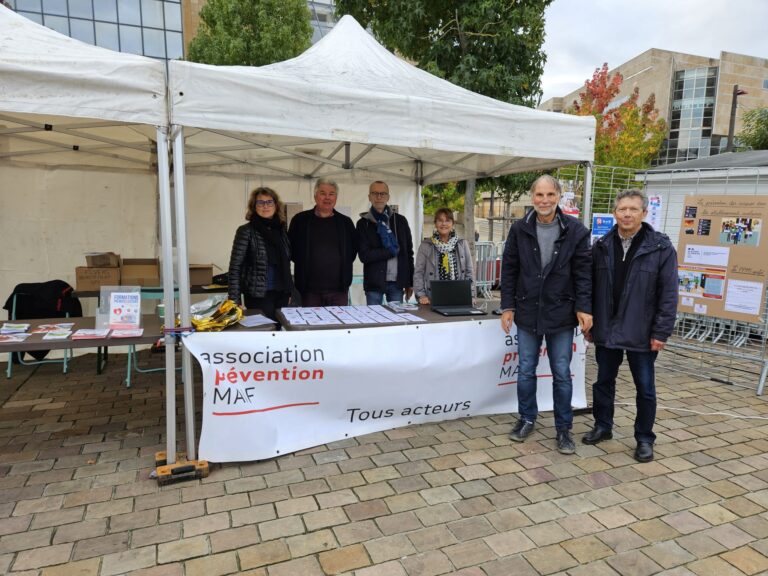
x=452, y=498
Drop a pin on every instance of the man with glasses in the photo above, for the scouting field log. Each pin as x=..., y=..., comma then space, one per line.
x=323, y=248
x=634, y=297
x=546, y=290
x=386, y=249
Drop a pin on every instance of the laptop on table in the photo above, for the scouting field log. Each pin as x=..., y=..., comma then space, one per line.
x=453, y=298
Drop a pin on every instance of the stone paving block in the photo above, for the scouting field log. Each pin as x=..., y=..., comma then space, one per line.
x=397, y=523
x=756, y=526
x=225, y=503
x=668, y=554
x=25, y=540
x=366, y=510
x=430, y=563
x=264, y=554
x=510, y=542
x=550, y=559
x=356, y=532
x=41, y=557
x=336, y=498
x=82, y=568
x=373, y=491
x=109, y=508
x=324, y=518
x=182, y=549
x=389, y=548
x=179, y=512
x=123, y=562
x=15, y=525
x=205, y=524
x=700, y=545
x=470, y=553
x=713, y=567
x=431, y=538
x=729, y=535
x=281, y=528
x=308, y=566
x=621, y=539
x=295, y=506
x=233, y=538
x=214, y=565
x=252, y=515
x=547, y=533
x=100, y=546
x=344, y=560
x=156, y=534
x=613, y=517
x=45, y=504
x=311, y=543
x=387, y=569
x=133, y=520
x=686, y=522
x=747, y=559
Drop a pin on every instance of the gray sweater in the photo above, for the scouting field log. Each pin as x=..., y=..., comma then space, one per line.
x=427, y=259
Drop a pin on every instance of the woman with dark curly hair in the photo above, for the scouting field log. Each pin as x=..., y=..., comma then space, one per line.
x=260, y=264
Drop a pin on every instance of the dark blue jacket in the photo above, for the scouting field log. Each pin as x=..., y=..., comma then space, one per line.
x=547, y=300
x=374, y=256
x=648, y=305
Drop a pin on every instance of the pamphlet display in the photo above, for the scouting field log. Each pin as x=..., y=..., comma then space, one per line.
x=119, y=308
x=722, y=257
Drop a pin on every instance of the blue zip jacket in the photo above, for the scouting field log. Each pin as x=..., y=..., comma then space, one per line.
x=648, y=305
x=546, y=300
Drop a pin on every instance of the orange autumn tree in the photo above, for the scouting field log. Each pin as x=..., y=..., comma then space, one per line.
x=628, y=134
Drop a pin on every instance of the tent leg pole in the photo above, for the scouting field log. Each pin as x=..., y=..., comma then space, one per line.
x=166, y=238
x=184, y=288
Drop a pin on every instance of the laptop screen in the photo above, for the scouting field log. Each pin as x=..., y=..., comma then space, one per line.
x=451, y=292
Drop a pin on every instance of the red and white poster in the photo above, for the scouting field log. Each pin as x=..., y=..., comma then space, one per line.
x=272, y=393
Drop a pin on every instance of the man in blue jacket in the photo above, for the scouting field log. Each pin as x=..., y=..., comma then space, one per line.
x=634, y=297
x=546, y=282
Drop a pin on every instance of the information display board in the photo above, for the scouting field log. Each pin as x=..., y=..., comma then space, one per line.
x=723, y=257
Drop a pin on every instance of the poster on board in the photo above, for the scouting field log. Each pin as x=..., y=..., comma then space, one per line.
x=722, y=257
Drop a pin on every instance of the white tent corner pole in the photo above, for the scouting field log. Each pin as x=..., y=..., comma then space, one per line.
x=587, y=212
x=179, y=188
x=419, y=203
x=166, y=238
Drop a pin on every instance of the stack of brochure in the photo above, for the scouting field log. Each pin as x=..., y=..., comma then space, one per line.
x=13, y=328
x=90, y=334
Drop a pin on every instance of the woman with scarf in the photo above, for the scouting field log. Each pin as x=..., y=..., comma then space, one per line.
x=443, y=256
x=260, y=264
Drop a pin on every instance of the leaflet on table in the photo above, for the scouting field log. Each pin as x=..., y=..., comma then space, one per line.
x=292, y=316
x=90, y=333
x=411, y=318
x=402, y=306
x=129, y=333
x=387, y=314
x=343, y=315
x=44, y=328
x=13, y=328
x=14, y=337
x=124, y=310
x=57, y=334
x=255, y=320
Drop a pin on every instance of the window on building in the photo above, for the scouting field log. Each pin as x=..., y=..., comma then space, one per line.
x=765, y=84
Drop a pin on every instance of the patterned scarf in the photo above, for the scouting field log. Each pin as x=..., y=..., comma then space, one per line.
x=388, y=239
x=448, y=261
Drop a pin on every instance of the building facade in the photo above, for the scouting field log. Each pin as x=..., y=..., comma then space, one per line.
x=694, y=94
x=156, y=28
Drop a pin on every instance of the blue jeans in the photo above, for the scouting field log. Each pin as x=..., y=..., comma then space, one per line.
x=391, y=291
x=604, y=390
x=559, y=352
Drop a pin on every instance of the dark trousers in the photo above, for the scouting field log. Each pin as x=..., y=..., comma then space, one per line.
x=641, y=364
x=269, y=304
x=312, y=299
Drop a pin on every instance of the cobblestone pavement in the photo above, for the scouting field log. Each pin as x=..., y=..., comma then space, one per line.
x=451, y=498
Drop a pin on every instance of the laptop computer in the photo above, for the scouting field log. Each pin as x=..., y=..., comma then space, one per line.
x=453, y=298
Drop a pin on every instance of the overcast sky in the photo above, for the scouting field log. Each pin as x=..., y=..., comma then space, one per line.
x=582, y=34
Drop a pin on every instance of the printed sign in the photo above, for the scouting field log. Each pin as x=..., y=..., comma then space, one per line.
x=266, y=394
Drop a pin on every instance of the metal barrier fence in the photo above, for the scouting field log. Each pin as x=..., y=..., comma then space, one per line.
x=485, y=268
x=722, y=350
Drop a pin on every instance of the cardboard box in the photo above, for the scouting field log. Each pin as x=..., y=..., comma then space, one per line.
x=102, y=260
x=140, y=272
x=88, y=279
x=200, y=274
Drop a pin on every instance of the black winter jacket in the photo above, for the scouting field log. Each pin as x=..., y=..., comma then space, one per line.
x=298, y=232
x=547, y=300
x=648, y=305
x=374, y=256
x=248, y=263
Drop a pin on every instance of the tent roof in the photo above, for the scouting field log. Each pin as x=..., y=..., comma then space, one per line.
x=51, y=83
x=347, y=104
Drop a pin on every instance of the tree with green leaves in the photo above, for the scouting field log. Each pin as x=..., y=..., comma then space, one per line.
x=251, y=32
x=754, y=131
x=492, y=47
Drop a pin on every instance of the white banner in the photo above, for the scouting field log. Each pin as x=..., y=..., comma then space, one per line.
x=272, y=393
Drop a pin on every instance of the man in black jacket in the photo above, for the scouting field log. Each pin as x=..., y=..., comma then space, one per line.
x=386, y=249
x=323, y=248
x=546, y=290
x=635, y=303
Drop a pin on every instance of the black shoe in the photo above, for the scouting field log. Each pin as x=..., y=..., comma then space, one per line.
x=597, y=435
x=565, y=443
x=644, y=452
x=521, y=430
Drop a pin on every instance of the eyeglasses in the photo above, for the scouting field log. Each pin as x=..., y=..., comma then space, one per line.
x=380, y=194
x=265, y=203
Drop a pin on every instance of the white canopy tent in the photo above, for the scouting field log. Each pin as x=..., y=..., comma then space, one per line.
x=349, y=108
x=63, y=102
